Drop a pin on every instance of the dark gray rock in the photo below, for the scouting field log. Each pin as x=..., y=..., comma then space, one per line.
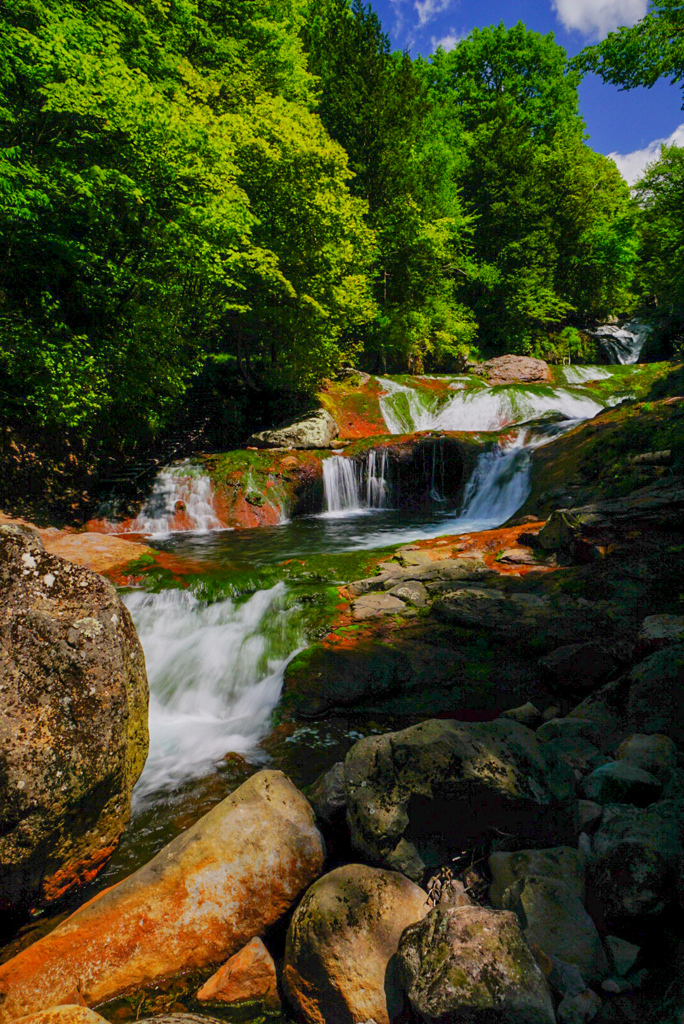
x=636, y=856
x=415, y=795
x=620, y=782
x=472, y=965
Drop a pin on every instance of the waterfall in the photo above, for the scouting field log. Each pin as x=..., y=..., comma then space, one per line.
x=351, y=486
x=481, y=408
x=340, y=485
x=623, y=344
x=499, y=485
x=215, y=672
x=182, y=498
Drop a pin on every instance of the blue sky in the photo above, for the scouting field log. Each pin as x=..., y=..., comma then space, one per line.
x=626, y=125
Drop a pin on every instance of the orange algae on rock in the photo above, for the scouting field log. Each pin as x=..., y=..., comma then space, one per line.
x=225, y=880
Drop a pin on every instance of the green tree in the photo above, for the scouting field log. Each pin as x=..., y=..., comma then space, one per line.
x=377, y=105
x=553, y=236
x=165, y=192
x=641, y=54
x=660, y=194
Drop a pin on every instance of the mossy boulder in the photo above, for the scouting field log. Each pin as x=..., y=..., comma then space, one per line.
x=341, y=944
x=73, y=721
x=416, y=795
x=471, y=964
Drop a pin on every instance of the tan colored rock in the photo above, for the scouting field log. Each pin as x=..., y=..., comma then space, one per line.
x=100, y=552
x=248, y=977
x=206, y=894
x=73, y=721
x=371, y=606
x=340, y=943
x=71, y=1013
x=511, y=369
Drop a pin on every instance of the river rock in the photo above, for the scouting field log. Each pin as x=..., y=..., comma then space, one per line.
x=526, y=714
x=73, y=721
x=327, y=796
x=553, y=917
x=658, y=631
x=622, y=953
x=580, y=668
x=206, y=894
x=582, y=756
x=655, y=754
x=568, y=729
x=517, y=613
x=636, y=856
x=620, y=782
x=472, y=964
x=580, y=1009
x=656, y=694
x=314, y=430
x=372, y=606
x=414, y=796
x=511, y=369
x=340, y=945
x=563, y=863
x=248, y=977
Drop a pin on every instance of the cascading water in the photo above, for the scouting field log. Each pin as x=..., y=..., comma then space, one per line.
x=182, y=489
x=351, y=486
x=482, y=408
x=623, y=344
x=215, y=672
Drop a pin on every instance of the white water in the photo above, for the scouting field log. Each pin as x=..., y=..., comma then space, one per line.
x=406, y=409
x=185, y=488
x=623, y=344
x=350, y=486
x=215, y=674
x=584, y=374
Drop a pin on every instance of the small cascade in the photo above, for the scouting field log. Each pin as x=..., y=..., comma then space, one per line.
x=437, y=494
x=215, y=672
x=350, y=486
x=182, y=498
x=341, y=485
x=499, y=485
x=623, y=344
x=480, y=408
x=584, y=374
x=376, y=484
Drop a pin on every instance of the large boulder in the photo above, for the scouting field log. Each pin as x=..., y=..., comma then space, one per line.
x=510, y=369
x=413, y=796
x=317, y=429
x=73, y=721
x=620, y=782
x=516, y=612
x=206, y=894
x=470, y=964
x=636, y=856
x=341, y=943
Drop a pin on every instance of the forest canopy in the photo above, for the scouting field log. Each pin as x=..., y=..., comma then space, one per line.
x=265, y=187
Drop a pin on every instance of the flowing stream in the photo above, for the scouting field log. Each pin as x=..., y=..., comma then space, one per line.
x=217, y=646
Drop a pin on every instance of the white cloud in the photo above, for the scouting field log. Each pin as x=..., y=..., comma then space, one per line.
x=447, y=42
x=429, y=9
x=596, y=18
x=632, y=165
